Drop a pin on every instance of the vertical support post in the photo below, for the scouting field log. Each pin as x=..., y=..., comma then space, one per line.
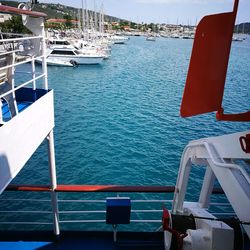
x=114, y=233
x=1, y=114
x=207, y=188
x=53, y=182
x=44, y=63
x=182, y=182
x=33, y=72
x=13, y=104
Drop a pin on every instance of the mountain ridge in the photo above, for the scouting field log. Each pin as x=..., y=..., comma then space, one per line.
x=57, y=11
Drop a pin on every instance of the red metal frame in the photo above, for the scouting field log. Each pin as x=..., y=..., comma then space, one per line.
x=13, y=10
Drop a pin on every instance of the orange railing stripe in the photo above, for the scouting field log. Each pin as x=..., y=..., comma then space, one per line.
x=99, y=188
x=115, y=188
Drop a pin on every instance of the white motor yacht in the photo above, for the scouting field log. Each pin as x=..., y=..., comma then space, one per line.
x=118, y=39
x=55, y=62
x=92, y=55
x=70, y=54
x=92, y=48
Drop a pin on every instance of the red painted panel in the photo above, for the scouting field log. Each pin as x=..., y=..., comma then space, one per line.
x=208, y=64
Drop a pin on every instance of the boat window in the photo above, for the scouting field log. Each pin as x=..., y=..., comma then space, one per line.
x=62, y=52
x=61, y=42
x=77, y=52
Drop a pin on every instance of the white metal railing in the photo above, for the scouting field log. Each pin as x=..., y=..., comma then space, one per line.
x=190, y=155
x=22, y=85
x=91, y=212
x=34, y=48
x=224, y=164
x=20, y=39
x=211, y=157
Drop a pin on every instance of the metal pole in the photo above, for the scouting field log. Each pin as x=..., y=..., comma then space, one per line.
x=1, y=114
x=44, y=63
x=33, y=72
x=207, y=188
x=95, y=16
x=53, y=182
x=83, y=18
x=79, y=19
x=13, y=84
x=87, y=20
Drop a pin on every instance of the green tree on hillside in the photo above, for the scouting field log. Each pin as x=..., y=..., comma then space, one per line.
x=68, y=22
x=14, y=25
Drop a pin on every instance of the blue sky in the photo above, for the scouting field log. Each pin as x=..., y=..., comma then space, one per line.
x=164, y=11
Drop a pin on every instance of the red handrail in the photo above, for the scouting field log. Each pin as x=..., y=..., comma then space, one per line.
x=13, y=10
x=115, y=188
x=99, y=188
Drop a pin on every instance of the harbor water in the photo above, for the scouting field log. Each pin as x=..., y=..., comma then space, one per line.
x=118, y=123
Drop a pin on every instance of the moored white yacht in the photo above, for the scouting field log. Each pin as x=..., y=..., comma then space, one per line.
x=72, y=55
x=92, y=48
x=118, y=39
x=55, y=62
x=57, y=47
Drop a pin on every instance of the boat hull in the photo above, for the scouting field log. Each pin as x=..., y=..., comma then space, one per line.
x=78, y=59
x=55, y=63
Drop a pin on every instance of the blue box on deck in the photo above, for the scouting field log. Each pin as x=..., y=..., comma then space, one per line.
x=118, y=210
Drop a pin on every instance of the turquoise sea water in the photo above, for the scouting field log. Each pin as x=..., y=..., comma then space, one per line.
x=119, y=123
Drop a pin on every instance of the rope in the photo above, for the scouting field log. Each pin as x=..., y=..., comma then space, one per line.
x=216, y=219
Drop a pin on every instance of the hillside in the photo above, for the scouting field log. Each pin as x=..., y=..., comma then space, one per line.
x=59, y=10
x=242, y=28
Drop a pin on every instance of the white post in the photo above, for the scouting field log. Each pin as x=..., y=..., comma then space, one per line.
x=33, y=72
x=182, y=182
x=1, y=115
x=44, y=63
x=53, y=182
x=15, y=111
x=207, y=188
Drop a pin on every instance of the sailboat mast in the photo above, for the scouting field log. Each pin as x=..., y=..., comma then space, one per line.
x=102, y=18
x=83, y=18
x=86, y=20
x=79, y=19
x=95, y=15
